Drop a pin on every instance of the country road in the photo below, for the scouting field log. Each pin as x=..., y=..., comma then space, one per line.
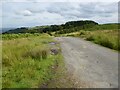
x=91, y=65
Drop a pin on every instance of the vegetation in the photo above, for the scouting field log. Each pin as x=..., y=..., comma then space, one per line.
x=27, y=62
x=59, y=29
x=19, y=35
x=107, y=38
x=88, y=27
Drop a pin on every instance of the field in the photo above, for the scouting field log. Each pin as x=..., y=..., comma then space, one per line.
x=28, y=60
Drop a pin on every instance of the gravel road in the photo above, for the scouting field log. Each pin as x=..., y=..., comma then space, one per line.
x=91, y=65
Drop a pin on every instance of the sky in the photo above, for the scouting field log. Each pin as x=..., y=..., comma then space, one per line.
x=28, y=13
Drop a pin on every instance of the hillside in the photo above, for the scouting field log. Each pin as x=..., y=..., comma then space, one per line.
x=77, y=25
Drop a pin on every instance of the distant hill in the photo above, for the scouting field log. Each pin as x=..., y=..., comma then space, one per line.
x=2, y=30
x=68, y=27
x=17, y=30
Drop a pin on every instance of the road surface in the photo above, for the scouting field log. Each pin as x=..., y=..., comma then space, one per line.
x=91, y=65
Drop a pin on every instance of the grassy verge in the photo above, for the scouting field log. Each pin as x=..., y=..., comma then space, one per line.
x=107, y=38
x=62, y=79
x=27, y=62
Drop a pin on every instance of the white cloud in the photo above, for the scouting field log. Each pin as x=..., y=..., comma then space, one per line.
x=83, y=10
x=24, y=13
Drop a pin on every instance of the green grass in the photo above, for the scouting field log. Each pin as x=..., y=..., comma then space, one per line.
x=15, y=36
x=103, y=27
x=26, y=61
x=107, y=38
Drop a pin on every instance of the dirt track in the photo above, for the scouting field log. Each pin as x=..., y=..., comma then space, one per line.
x=91, y=65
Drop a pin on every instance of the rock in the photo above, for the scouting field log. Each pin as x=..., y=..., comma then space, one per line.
x=52, y=43
x=54, y=51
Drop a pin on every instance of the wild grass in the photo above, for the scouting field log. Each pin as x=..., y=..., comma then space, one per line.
x=107, y=38
x=15, y=36
x=37, y=53
x=27, y=62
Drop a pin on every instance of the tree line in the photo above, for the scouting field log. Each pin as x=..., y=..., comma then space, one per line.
x=68, y=27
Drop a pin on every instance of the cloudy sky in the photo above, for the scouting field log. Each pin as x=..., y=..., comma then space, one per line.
x=17, y=13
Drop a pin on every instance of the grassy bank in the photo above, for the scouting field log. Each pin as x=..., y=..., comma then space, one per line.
x=107, y=38
x=28, y=62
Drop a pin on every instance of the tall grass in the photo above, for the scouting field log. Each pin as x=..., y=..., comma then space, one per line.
x=27, y=62
x=15, y=36
x=107, y=38
x=37, y=53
